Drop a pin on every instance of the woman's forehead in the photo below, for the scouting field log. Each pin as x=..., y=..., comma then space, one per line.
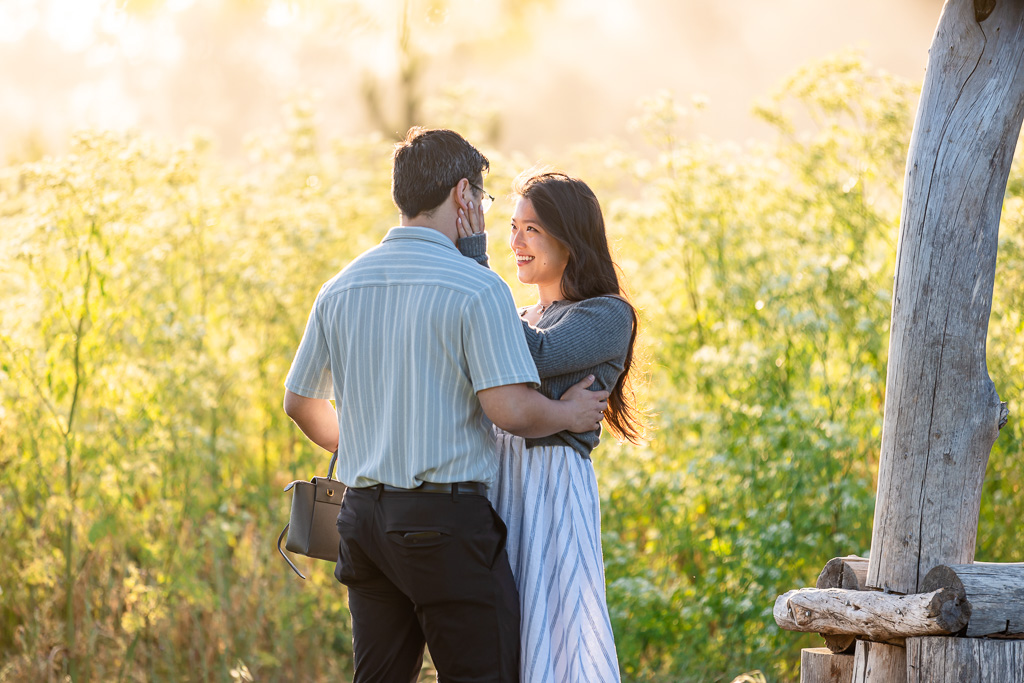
x=524, y=211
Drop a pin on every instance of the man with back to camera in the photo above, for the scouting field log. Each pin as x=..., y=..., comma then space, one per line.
x=420, y=347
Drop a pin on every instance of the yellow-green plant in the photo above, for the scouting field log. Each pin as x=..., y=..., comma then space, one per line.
x=153, y=296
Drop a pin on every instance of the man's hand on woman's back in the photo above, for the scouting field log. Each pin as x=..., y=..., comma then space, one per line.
x=588, y=406
x=525, y=412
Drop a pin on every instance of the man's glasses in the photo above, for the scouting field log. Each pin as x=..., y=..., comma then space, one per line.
x=486, y=200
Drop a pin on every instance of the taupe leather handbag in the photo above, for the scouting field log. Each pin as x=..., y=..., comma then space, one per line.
x=313, y=526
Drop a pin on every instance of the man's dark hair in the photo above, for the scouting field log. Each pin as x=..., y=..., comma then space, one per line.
x=428, y=164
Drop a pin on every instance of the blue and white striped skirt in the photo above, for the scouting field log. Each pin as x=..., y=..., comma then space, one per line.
x=548, y=499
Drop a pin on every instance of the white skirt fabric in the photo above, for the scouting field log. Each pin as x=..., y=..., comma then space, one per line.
x=548, y=499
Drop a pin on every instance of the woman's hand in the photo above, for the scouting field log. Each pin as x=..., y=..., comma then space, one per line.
x=470, y=222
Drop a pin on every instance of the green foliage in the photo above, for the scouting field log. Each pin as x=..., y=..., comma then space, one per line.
x=153, y=298
x=765, y=287
x=1002, y=502
x=157, y=299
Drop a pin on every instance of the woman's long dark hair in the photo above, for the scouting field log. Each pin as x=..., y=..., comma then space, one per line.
x=569, y=211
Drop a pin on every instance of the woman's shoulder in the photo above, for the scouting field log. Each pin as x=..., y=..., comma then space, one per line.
x=610, y=304
x=615, y=297
x=606, y=315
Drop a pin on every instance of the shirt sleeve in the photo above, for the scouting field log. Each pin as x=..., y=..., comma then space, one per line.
x=493, y=341
x=310, y=373
x=592, y=332
x=475, y=247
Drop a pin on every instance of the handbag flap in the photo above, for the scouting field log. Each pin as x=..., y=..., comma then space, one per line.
x=328, y=491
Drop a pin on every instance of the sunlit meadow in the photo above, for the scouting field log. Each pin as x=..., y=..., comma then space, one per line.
x=155, y=283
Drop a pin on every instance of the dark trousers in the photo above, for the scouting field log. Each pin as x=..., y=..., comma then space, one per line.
x=428, y=568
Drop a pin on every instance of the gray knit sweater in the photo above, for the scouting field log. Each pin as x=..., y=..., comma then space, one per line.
x=572, y=339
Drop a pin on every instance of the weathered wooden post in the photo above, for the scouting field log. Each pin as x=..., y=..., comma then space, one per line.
x=964, y=660
x=942, y=413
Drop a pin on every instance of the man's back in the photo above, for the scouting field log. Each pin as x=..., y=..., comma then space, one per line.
x=411, y=339
x=411, y=330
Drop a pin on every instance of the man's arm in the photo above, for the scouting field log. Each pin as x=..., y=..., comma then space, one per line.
x=526, y=412
x=316, y=417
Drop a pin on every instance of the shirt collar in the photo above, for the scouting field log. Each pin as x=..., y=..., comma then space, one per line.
x=411, y=232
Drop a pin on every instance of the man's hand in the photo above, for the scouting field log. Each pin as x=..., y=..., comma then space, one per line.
x=588, y=406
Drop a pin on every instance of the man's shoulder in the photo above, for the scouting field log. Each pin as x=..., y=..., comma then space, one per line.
x=472, y=271
x=390, y=264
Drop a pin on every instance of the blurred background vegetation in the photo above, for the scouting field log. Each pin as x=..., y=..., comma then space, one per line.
x=154, y=288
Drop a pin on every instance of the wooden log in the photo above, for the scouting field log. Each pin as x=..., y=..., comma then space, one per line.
x=870, y=615
x=994, y=591
x=964, y=660
x=879, y=663
x=850, y=572
x=820, y=665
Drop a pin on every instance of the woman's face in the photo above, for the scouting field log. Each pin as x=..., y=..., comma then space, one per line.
x=540, y=258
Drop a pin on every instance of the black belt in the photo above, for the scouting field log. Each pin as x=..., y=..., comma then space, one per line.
x=460, y=487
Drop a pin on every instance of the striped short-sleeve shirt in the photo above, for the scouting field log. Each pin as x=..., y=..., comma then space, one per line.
x=403, y=338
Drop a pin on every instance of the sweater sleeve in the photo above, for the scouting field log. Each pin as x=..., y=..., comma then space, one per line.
x=594, y=331
x=475, y=247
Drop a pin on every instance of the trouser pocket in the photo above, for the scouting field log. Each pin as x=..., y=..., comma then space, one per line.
x=417, y=538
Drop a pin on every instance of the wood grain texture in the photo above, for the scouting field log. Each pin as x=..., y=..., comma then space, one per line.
x=819, y=665
x=879, y=663
x=942, y=411
x=871, y=615
x=850, y=572
x=994, y=591
x=844, y=572
x=964, y=660
x=983, y=8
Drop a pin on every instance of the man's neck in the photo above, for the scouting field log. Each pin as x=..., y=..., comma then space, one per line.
x=446, y=228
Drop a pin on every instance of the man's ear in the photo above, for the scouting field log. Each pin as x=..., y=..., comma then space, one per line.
x=462, y=193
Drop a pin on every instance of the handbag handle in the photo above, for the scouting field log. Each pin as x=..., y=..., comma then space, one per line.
x=286, y=559
x=330, y=468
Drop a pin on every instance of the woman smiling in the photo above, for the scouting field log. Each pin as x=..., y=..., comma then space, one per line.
x=546, y=493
